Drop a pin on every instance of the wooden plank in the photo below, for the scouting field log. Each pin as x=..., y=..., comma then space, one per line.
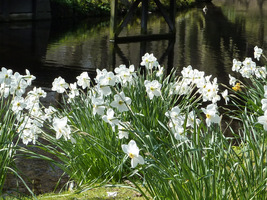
x=127, y=18
x=165, y=15
x=139, y=38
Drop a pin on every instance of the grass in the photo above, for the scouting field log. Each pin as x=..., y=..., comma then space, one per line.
x=99, y=193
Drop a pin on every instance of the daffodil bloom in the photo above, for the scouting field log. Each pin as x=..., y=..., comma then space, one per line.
x=257, y=52
x=237, y=87
x=232, y=80
x=18, y=104
x=98, y=105
x=263, y=120
x=149, y=61
x=123, y=133
x=120, y=102
x=110, y=118
x=5, y=75
x=132, y=151
x=59, y=85
x=264, y=104
x=225, y=96
x=83, y=80
x=152, y=88
x=211, y=114
x=61, y=127
x=236, y=65
x=28, y=77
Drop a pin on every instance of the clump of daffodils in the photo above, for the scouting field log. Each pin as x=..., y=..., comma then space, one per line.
x=108, y=99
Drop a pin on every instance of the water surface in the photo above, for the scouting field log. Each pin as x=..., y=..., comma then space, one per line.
x=207, y=41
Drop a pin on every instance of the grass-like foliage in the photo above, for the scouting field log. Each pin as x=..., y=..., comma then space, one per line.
x=172, y=137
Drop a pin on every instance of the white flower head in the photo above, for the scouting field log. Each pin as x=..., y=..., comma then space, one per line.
x=98, y=105
x=59, y=85
x=83, y=80
x=236, y=65
x=153, y=88
x=192, y=120
x=125, y=75
x=121, y=102
x=123, y=133
x=5, y=75
x=257, y=52
x=264, y=104
x=160, y=71
x=133, y=152
x=225, y=96
x=18, y=85
x=108, y=79
x=211, y=114
x=110, y=118
x=265, y=91
x=18, y=104
x=263, y=120
x=61, y=127
x=28, y=77
x=73, y=91
x=232, y=80
x=260, y=72
x=149, y=61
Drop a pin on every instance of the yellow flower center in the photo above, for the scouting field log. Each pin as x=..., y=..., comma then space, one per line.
x=131, y=155
x=208, y=116
x=121, y=102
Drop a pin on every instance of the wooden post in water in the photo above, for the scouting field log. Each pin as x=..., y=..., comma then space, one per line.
x=113, y=19
x=144, y=17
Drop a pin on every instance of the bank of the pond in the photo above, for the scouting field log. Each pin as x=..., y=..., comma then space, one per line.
x=91, y=8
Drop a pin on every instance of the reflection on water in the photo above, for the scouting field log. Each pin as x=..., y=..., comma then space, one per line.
x=230, y=29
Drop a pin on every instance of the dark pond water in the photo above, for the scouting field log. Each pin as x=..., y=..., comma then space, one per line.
x=209, y=42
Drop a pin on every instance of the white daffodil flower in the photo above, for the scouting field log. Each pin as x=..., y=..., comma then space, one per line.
x=211, y=114
x=37, y=92
x=28, y=77
x=125, y=75
x=263, y=120
x=133, y=152
x=108, y=79
x=18, y=104
x=192, y=120
x=236, y=65
x=61, y=127
x=257, y=52
x=232, y=80
x=83, y=80
x=153, y=88
x=98, y=105
x=73, y=91
x=59, y=85
x=5, y=75
x=123, y=133
x=225, y=96
x=120, y=102
x=110, y=118
x=149, y=61
x=264, y=104
x=160, y=71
